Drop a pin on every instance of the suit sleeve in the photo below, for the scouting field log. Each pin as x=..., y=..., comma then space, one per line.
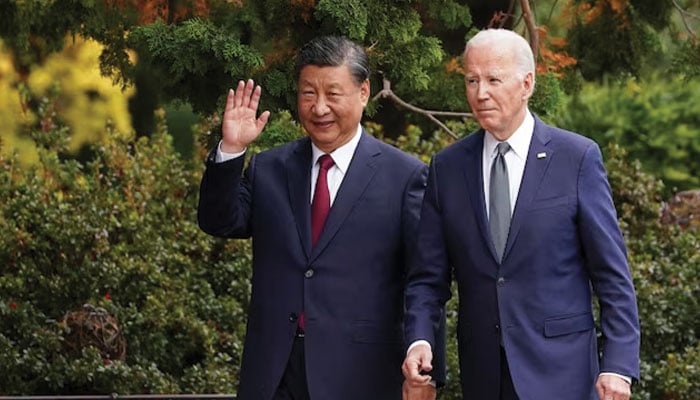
x=225, y=198
x=428, y=281
x=606, y=260
x=412, y=201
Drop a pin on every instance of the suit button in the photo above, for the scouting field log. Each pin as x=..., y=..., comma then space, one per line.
x=498, y=328
x=293, y=317
x=501, y=281
x=309, y=273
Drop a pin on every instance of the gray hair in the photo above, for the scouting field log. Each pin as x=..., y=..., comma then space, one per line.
x=500, y=38
x=334, y=51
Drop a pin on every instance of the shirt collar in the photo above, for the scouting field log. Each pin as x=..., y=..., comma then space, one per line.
x=342, y=155
x=519, y=141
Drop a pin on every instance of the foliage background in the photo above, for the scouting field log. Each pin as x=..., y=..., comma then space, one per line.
x=108, y=109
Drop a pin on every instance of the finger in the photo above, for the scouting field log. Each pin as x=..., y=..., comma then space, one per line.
x=262, y=120
x=249, y=88
x=423, y=380
x=427, y=363
x=238, y=96
x=406, y=369
x=229, y=101
x=601, y=393
x=255, y=98
x=619, y=393
x=410, y=369
x=415, y=376
x=600, y=389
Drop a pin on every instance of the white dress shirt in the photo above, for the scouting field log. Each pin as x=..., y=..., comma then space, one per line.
x=519, y=143
x=341, y=159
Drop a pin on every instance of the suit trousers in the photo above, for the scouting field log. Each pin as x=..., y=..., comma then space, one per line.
x=293, y=385
x=507, y=391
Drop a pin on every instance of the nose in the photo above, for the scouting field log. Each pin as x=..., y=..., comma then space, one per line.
x=482, y=91
x=320, y=106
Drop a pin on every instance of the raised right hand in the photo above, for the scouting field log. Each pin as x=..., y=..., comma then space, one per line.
x=239, y=126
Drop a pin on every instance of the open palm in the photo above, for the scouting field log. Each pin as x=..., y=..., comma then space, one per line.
x=240, y=126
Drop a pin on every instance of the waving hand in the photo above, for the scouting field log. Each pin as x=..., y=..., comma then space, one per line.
x=240, y=126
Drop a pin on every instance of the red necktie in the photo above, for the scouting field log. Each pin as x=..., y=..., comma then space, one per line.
x=320, y=205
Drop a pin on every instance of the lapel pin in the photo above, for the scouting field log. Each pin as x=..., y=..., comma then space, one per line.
x=541, y=155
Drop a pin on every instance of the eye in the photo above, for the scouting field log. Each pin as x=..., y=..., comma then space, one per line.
x=471, y=81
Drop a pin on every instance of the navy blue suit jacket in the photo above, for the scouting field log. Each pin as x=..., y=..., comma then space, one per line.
x=351, y=284
x=564, y=243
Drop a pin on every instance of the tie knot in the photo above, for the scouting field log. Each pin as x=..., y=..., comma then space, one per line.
x=503, y=148
x=325, y=162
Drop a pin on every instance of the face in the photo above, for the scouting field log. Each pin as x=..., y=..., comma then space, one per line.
x=330, y=105
x=496, y=93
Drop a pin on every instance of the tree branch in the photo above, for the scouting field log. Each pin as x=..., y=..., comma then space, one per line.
x=531, y=27
x=684, y=13
x=387, y=93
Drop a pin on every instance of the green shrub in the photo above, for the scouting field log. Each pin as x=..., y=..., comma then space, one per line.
x=655, y=120
x=678, y=376
x=118, y=232
x=665, y=263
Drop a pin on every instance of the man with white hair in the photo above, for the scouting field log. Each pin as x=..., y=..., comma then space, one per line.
x=521, y=214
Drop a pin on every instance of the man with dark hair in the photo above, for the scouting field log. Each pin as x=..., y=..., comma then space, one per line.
x=333, y=218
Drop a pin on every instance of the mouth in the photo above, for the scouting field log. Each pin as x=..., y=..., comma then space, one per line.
x=322, y=124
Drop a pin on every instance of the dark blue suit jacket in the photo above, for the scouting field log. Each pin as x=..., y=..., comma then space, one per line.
x=351, y=284
x=564, y=244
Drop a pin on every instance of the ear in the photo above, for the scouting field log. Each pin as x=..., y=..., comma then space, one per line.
x=528, y=85
x=364, y=92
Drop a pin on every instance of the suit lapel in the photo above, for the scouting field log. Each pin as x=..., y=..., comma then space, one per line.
x=473, y=174
x=360, y=172
x=299, y=186
x=535, y=168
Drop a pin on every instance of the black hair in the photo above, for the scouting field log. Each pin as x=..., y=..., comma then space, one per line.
x=334, y=51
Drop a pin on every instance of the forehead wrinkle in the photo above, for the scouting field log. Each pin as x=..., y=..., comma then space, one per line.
x=489, y=55
x=328, y=80
x=489, y=72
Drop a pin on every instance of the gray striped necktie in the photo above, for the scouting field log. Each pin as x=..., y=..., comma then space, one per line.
x=499, y=201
